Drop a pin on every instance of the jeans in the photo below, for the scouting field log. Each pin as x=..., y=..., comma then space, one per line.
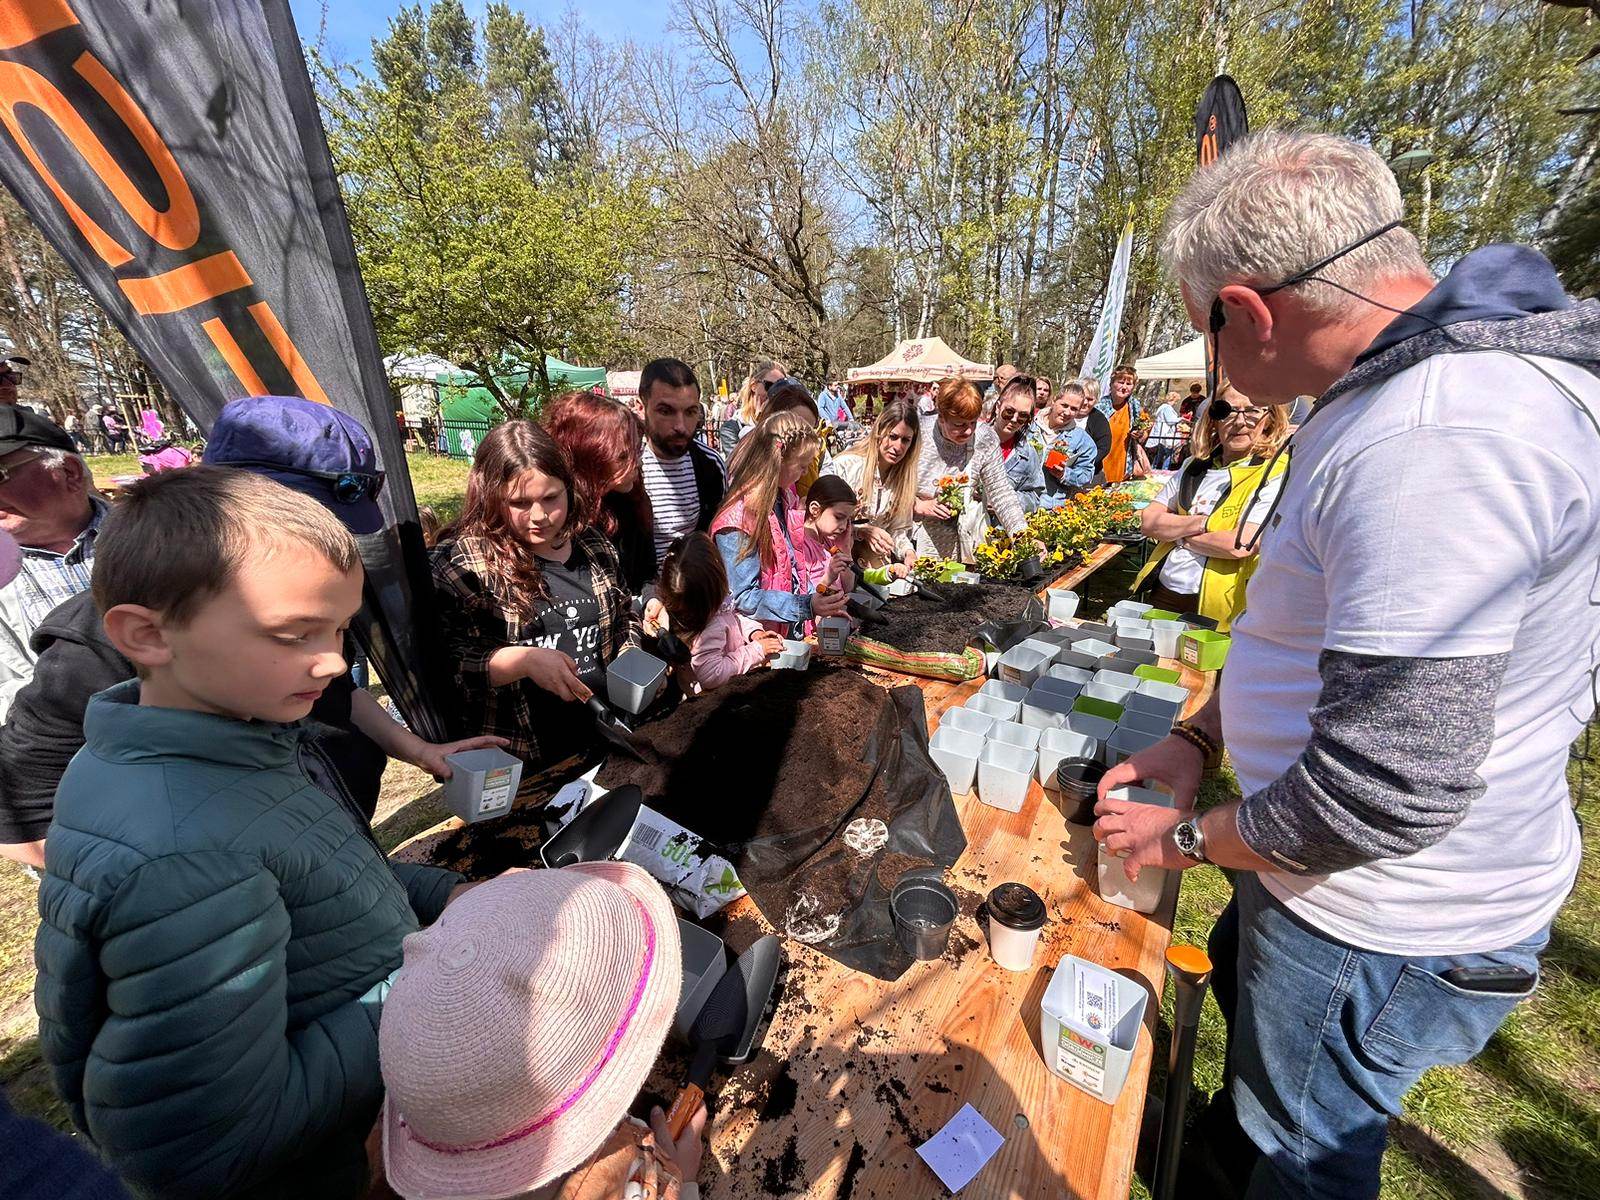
x=1324, y=1040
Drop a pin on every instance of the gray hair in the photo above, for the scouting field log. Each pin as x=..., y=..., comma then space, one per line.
x=1278, y=201
x=1073, y=385
x=52, y=459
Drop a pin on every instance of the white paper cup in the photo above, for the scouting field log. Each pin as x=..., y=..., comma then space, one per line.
x=1016, y=915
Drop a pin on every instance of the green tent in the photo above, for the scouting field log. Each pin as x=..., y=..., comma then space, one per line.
x=468, y=410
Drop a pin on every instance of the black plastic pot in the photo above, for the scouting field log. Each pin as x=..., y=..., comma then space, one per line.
x=1079, y=781
x=924, y=911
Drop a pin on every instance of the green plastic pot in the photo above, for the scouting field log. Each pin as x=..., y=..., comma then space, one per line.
x=1161, y=614
x=1097, y=708
x=1159, y=674
x=1204, y=649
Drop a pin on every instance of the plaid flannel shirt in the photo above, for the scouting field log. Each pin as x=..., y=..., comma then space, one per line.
x=476, y=621
x=49, y=578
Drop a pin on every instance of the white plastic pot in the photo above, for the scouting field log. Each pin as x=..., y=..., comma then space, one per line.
x=968, y=720
x=1101, y=689
x=1048, y=649
x=1057, y=744
x=1021, y=664
x=1000, y=689
x=634, y=679
x=1094, y=647
x=796, y=656
x=1061, y=604
x=1014, y=733
x=955, y=752
x=1144, y=895
x=1004, y=773
x=1166, y=634
x=993, y=706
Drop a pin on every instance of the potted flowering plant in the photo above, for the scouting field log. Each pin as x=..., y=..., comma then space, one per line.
x=952, y=493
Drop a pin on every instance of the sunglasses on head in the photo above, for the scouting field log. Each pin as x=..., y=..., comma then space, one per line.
x=348, y=487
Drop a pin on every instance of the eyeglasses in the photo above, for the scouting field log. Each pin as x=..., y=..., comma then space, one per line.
x=9, y=471
x=349, y=487
x=1014, y=414
x=1221, y=410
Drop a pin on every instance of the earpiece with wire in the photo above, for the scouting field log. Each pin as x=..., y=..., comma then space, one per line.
x=1218, y=318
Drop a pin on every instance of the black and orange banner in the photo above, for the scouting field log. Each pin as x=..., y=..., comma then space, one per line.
x=1220, y=120
x=174, y=155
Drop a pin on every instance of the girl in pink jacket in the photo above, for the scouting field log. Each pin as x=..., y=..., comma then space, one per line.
x=693, y=588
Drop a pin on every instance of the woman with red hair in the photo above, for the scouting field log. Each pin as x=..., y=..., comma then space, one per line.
x=603, y=442
x=961, y=477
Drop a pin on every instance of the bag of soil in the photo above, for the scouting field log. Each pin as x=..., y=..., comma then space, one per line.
x=818, y=786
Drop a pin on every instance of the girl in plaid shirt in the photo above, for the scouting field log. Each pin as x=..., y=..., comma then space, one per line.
x=531, y=604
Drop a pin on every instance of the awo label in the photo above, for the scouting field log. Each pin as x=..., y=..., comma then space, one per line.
x=1081, y=1060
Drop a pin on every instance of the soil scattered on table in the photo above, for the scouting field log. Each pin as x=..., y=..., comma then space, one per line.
x=847, y=1181
x=781, y=1174
x=918, y=625
x=781, y=1095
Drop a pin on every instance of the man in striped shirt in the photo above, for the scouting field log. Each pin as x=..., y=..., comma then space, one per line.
x=47, y=503
x=682, y=476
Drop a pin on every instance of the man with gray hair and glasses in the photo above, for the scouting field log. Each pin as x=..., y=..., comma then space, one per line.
x=1418, y=651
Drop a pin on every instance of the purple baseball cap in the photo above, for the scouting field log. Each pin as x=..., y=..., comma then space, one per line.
x=310, y=447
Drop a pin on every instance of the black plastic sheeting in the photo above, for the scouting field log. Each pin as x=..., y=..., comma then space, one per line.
x=910, y=795
x=778, y=842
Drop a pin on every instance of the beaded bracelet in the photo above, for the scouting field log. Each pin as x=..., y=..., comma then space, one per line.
x=1199, y=740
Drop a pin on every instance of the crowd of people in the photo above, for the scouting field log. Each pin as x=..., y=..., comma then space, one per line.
x=186, y=756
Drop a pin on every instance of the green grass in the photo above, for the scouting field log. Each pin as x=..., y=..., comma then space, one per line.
x=440, y=483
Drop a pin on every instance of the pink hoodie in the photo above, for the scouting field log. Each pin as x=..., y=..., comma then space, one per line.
x=724, y=648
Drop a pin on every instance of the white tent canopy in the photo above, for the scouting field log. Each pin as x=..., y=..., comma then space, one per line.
x=1184, y=362
x=622, y=384
x=419, y=366
x=920, y=360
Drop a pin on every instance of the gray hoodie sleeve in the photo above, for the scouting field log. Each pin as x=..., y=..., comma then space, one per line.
x=1391, y=767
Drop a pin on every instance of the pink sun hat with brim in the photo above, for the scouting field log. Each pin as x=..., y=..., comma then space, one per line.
x=521, y=1026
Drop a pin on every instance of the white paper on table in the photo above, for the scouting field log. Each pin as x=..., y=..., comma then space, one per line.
x=1094, y=999
x=959, y=1151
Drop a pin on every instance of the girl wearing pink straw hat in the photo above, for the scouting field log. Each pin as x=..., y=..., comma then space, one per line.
x=520, y=1027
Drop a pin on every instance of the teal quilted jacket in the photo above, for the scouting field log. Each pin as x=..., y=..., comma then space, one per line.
x=217, y=940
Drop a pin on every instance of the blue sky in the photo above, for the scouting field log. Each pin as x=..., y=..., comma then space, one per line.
x=352, y=24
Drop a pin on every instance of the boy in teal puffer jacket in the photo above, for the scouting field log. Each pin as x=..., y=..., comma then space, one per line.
x=218, y=934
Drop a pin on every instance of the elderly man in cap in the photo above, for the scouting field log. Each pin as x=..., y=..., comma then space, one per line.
x=48, y=504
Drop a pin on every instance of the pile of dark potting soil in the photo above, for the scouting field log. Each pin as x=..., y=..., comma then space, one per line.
x=766, y=754
x=918, y=625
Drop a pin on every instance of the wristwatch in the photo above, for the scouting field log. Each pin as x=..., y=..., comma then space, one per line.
x=1190, y=841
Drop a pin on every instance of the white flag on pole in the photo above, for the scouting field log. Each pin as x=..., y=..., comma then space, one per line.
x=1102, y=356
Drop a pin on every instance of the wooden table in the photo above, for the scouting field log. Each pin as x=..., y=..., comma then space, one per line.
x=856, y=1072
x=1103, y=553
